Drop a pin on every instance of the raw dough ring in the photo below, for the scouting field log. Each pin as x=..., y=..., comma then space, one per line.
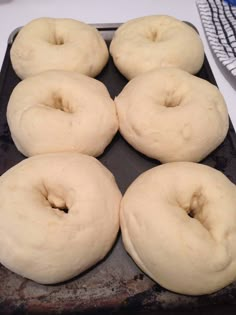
x=171, y=115
x=58, y=44
x=37, y=239
x=178, y=222
x=151, y=42
x=58, y=111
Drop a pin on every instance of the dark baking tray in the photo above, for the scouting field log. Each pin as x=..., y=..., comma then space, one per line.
x=115, y=285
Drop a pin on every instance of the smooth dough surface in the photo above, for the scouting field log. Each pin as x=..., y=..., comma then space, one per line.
x=58, y=44
x=58, y=111
x=37, y=239
x=171, y=115
x=157, y=41
x=178, y=223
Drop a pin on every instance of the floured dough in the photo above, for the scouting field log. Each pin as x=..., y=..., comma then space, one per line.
x=58, y=111
x=171, y=115
x=178, y=223
x=58, y=44
x=38, y=240
x=157, y=41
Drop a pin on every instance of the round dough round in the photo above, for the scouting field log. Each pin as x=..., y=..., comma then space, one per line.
x=38, y=240
x=157, y=41
x=58, y=111
x=178, y=223
x=58, y=44
x=171, y=115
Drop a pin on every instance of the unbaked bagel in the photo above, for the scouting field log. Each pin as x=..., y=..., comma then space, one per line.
x=158, y=41
x=58, y=44
x=38, y=239
x=58, y=111
x=178, y=222
x=171, y=115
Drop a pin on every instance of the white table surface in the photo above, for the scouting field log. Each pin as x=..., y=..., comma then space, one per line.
x=15, y=13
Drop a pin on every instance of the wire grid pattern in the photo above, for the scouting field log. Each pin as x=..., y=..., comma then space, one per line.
x=219, y=21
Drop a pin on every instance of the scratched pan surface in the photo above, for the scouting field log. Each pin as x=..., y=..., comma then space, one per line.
x=115, y=285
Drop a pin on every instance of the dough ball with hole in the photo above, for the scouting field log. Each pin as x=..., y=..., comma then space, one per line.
x=59, y=216
x=57, y=111
x=157, y=41
x=171, y=115
x=178, y=223
x=58, y=44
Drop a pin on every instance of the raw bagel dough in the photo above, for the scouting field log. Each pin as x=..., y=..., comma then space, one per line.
x=157, y=41
x=57, y=111
x=171, y=115
x=183, y=254
x=37, y=239
x=58, y=44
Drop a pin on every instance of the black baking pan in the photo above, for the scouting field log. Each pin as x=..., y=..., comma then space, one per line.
x=115, y=285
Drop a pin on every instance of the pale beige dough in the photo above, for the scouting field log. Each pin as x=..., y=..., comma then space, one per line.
x=187, y=254
x=58, y=44
x=171, y=115
x=37, y=239
x=157, y=41
x=59, y=111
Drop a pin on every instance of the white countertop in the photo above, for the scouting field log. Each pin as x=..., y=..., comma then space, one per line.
x=15, y=13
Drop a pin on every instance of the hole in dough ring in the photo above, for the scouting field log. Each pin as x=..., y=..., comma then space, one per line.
x=178, y=223
x=43, y=243
x=171, y=115
x=58, y=44
x=158, y=41
x=58, y=111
